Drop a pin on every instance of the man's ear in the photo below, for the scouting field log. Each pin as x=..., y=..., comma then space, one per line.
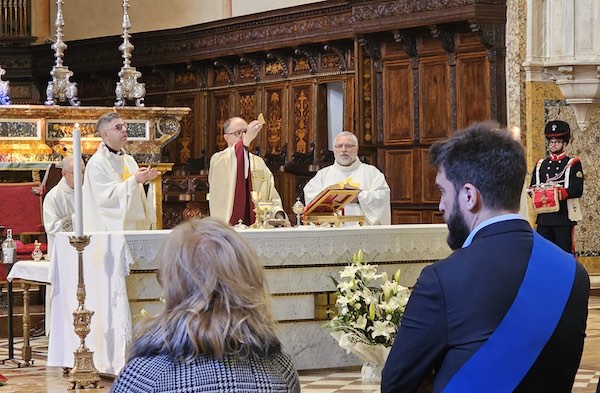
x=472, y=196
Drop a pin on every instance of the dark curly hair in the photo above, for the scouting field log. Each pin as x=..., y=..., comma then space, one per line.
x=487, y=157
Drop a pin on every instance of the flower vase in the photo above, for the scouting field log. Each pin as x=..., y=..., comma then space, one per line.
x=373, y=356
x=371, y=371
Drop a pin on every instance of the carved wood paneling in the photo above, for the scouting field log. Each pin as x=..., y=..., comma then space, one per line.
x=399, y=167
x=472, y=89
x=187, y=80
x=274, y=103
x=367, y=100
x=302, y=111
x=247, y=105
x=429, y=191
x=414, y=71
x=434, y=99
x=350, y=104
x=398, y=103
x=406, y=217
x=437, y=217
x=221, y=109
x=180, y=149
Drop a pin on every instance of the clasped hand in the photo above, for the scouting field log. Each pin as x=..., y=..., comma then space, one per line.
x=146, y=174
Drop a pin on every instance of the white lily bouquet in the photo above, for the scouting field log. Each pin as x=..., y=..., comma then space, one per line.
x=370, y=307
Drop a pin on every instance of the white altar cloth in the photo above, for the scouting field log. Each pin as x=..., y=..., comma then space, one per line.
x=105, y=269
x=30, y=271
x=298, y=263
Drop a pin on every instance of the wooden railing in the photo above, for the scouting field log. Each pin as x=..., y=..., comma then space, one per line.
x=15, y=18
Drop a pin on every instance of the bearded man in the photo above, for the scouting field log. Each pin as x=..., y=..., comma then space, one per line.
x=374, y=198
x=506, y=312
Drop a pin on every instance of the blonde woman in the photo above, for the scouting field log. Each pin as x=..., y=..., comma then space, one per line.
x=216, y=332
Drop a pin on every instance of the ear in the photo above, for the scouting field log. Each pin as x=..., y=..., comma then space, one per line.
x=472, y=197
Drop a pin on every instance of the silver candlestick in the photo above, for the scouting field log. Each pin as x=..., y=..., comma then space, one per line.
x=128, y=88
x=60, y=88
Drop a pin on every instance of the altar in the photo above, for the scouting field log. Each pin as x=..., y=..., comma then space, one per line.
x=120, y=277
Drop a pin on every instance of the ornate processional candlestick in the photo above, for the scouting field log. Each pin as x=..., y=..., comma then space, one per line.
x=128, y=88
x=60, y=88
x=83, y=373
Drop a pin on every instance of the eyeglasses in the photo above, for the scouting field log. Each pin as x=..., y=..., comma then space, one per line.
x=118, y=127
x=347, y=146
x=236, y=133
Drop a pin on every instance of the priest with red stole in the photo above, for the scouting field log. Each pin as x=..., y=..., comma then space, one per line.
x=235, y=174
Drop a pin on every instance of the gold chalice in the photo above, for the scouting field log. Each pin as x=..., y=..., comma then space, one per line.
x=265, y=208
x=262, y=208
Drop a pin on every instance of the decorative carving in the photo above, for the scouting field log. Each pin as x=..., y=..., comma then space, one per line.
x=238, y=36
x=341, y=60
x=446, y=38
x=227, y=68
x=367, y=118
x=301, y=62
x=490, y=35
x=222, y=105
x=301, y=119
x=254, y=66
x=248, y=106
x=187, y=79
x=167, y=126
x=408, y=40
x=192, y=66
x=371, y=48
x=403, y=7
x=278, y=67
x=274, y=119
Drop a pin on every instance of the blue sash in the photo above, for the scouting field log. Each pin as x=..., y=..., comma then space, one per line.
x=502, y=362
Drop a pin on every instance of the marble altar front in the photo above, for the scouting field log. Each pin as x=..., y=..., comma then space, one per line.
x=120, y=280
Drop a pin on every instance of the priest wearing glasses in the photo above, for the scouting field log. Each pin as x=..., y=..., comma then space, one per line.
x=374, y=198
x=236, y=175
x=117, y=194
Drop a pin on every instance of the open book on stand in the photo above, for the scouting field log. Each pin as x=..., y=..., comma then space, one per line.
x=327, y=207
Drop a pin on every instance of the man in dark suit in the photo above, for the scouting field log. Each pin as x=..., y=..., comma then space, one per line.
x=507, y=310
x=565, y=174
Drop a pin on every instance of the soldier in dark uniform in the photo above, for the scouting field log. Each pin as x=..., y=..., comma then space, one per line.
x=566, y=174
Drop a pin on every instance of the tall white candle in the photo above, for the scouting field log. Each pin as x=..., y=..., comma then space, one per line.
x=77, y=181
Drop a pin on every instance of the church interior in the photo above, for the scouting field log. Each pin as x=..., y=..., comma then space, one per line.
x=399, y=74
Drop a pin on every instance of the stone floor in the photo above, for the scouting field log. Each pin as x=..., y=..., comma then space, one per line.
x=39, y=378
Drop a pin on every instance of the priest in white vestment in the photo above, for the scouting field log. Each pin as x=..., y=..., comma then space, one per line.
x=117, y=194
x=58, y=207
x=374, y=198
x=232, y=184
